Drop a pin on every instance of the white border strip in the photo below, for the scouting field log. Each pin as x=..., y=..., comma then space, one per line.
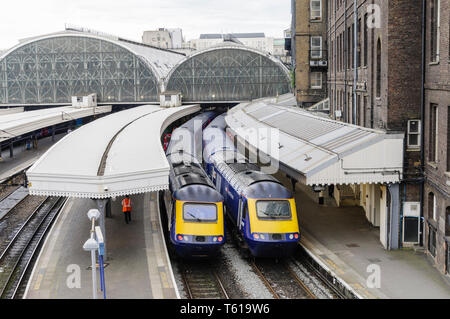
x=324, y=266
x=165, y=249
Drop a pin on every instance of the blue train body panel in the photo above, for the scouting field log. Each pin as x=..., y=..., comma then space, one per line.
x=243, y=185
x=189, y=185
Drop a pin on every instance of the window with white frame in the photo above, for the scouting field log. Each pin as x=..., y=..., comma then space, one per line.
x=413, y=134
x=316, y=47
x=316, y=80
x=435, y=30
x=316, y=9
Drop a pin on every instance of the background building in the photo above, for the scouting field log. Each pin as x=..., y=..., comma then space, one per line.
x=436, y=131
x=280, y=52
x=257, y=41
x=310, y=49
x=164, y=38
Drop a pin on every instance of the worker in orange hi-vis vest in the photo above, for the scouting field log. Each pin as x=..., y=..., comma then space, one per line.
x=126, y=208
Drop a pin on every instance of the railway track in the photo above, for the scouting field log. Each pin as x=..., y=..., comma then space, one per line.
x=202, y=282
x=281, y=280
x=337, y=290
x=15, y=259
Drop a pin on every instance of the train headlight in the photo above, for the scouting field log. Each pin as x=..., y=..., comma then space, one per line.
x=262, y=236
x=296, y=236
x=220, y=239
x=255, y=236
x=291, y=236
x=214, y=239
x=180, y=237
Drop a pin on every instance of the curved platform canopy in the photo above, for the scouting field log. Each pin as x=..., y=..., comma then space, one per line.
x=313, y=149
x=16, y=124
x=52, y=68
x=228, y=72
x=119, y=154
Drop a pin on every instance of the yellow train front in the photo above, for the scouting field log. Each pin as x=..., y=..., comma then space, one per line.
x=197, y=226
x=195, y=208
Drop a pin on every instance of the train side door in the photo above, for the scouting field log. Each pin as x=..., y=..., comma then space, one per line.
x=239, y=221
x=218, y=182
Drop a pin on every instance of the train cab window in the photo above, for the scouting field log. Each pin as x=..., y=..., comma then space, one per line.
x=201, y=213
x=273, y=209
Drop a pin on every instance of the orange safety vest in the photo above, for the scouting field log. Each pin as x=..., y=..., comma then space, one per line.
x=126, y=205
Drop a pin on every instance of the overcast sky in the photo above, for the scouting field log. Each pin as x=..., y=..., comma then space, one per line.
x=129, y=18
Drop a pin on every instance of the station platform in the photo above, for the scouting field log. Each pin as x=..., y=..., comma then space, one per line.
x=137, y=264
x=24, y=158
x=343, y=240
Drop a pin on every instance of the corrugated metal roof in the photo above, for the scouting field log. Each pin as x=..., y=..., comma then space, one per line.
x=12, y=125
x=116, y=155
x=321, y=150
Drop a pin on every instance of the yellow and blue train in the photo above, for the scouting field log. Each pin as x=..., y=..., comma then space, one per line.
x=194, y=207
x=261, y=209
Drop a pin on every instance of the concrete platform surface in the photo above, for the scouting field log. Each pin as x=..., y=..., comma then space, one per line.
x=343, y=239
x=138, y=267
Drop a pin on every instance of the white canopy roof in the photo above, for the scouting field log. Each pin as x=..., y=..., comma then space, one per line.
x=12, y=125
x=116, y=155
x=318, y=150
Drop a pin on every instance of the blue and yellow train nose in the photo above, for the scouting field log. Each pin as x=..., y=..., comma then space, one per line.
x=274, y=230
x=199, y=228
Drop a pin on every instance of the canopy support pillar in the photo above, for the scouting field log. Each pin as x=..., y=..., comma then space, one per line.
x=393, y=224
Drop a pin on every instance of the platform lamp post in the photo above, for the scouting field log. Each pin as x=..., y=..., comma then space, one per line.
x=92, y=245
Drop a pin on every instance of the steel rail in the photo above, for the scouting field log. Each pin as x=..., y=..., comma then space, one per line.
x=28, y=240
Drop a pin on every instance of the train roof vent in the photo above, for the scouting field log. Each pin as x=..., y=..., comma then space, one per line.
x=242, y=167
x=190, y=179
x=251, y=177
x=182, y=170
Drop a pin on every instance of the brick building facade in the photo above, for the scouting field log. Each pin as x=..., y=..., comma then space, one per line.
x=437, y=133
x=390, y=70
x=310, y=47
x=384, y=45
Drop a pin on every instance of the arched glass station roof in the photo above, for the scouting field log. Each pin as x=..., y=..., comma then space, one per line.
x=50, y=69
x=228, y=72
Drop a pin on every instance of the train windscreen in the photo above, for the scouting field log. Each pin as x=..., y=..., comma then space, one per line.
x=273, y=209
x=201, y=213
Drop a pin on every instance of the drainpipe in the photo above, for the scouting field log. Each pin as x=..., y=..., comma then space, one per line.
x=346, y=49
x=335, y=62
x=422, y=117
x=355, y=57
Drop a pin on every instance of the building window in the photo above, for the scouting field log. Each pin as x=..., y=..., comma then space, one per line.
x=366, y=32
x=379, y=68
x=435, y=24
x=316, y=9
x=413, y=134
x=432, y=206
x=316, y=47
x=432, y=241
x=447, y=221
x=359, y=43
x=433, y=145
x=349, y=48
x=316, y=80
x=448, y=139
